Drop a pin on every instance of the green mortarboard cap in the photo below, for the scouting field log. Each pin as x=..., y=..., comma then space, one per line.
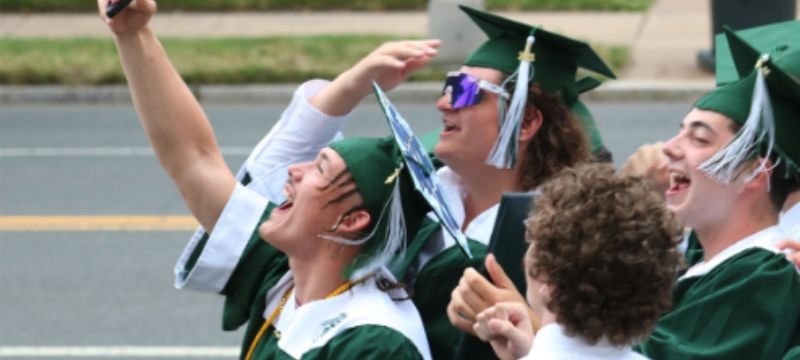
x=579, y=109
x=776, y=39
x=781, y=89
x=557, y=57
x=373, y=163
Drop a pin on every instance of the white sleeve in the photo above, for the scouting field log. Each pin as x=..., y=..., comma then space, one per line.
x=221, y=252
x=299, y=135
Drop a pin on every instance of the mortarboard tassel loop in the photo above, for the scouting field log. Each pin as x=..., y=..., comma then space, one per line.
x=504, y=151
x=724, y=166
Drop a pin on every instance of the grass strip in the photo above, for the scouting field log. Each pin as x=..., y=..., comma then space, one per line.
x=285, y=59
x=315, y=5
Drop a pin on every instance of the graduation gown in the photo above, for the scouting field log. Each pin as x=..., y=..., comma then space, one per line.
x=364, y=322
x=434, y=263
x=741, y=304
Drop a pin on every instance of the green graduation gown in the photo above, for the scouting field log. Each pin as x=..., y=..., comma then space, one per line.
x=741, y=304
x=363, y=323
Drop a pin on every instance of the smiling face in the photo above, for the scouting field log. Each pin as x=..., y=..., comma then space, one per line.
x=469, y=133
x=318, y=194
x=695, y=198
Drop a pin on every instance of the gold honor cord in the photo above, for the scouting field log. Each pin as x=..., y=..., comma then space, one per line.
x=346, y=286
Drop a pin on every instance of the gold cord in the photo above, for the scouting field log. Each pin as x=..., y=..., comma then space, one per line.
x=344, y=287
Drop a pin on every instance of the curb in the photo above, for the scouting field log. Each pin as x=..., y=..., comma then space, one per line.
x=615, y=91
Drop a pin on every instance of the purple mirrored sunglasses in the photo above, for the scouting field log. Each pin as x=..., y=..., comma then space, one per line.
x=464, y=90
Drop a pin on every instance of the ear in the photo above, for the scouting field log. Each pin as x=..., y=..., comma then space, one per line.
x=530, y=124
x=355, y=222
x=759, y=181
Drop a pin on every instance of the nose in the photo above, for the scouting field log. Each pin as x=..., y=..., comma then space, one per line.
x=443, y=104
x=296, y=171
x=671, y=148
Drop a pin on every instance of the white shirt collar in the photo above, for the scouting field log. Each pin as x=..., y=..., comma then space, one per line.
x=454, y=192
x=790, y=222
x=552, y=342
x=765, y=238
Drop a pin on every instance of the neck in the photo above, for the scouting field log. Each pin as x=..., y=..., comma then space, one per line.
x=742, y=222
x=485, y=186
x=318, y=276
x=791, y=200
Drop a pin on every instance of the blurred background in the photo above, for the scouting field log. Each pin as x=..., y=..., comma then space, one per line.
x=90, y=227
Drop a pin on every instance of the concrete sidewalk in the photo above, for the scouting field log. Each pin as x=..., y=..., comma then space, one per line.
x=663, y=42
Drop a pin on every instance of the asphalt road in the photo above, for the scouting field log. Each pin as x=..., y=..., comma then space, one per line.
x=114, y=288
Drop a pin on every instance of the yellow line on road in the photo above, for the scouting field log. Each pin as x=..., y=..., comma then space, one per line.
x=98, y=223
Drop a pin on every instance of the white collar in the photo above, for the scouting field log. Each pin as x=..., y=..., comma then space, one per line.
x=454, y=192
x=551, y=340
x=790, y=222
x=764, y=238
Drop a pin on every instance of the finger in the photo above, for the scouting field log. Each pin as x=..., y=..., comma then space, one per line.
x=504, y=329
x=467, y=309
x=458, y=321
x=498, y=275
x=475, y=290
x=789, y=244
x=795, y=258
x=428, y=47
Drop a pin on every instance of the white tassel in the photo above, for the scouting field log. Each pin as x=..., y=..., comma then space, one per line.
x=395, y=233
x=395, y=236
x=504, y=152
x=760, y=124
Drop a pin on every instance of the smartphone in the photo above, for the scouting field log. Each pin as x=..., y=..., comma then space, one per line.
x=115, y=7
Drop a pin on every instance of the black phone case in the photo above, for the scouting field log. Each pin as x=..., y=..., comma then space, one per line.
x=114, y=9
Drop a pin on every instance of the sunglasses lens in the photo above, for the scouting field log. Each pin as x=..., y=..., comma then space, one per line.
x=463, y=89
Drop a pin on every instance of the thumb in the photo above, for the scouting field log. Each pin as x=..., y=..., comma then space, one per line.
x=497, y=274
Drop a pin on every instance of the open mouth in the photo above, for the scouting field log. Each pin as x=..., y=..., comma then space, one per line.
x=450, y=127
x=678, y=181
x=286, y=205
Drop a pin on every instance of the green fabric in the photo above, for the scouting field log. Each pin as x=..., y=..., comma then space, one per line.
x=745, y=308
x=259, y=269
x=259, y=261
x=371, y=161
x=557, y=57
x=733, y=100
x=588, y=124
x=694, y=252
x=432, y=288
x=776, y=39
x=361, y=342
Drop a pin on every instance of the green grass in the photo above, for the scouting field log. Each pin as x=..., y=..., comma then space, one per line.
x=205, y=61
x=366, y=5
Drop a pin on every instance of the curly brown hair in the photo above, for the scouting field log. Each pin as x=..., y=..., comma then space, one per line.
x=560, y=142
x=606, y=246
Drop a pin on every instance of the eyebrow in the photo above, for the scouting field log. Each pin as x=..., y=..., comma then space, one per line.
x=699, y=124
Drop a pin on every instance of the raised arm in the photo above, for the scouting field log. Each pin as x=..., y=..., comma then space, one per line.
x=172, y=118
x=388, y=65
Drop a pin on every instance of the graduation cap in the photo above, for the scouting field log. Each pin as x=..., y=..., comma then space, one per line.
x=388, y=194
x=765, y=101
x=421, y=169
x=528, y=53
x=777, y=40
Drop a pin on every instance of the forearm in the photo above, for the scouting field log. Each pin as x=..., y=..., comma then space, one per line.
x=342, y=95
x=170, y=115
x=178, y=130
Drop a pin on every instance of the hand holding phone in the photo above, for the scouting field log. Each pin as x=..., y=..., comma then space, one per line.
x=115, y=6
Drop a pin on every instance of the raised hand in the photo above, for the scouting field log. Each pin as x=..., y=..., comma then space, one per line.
x=475, y=293
x=131, y=19
x=649, y=162
x=507, y=327
x=388, y=65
